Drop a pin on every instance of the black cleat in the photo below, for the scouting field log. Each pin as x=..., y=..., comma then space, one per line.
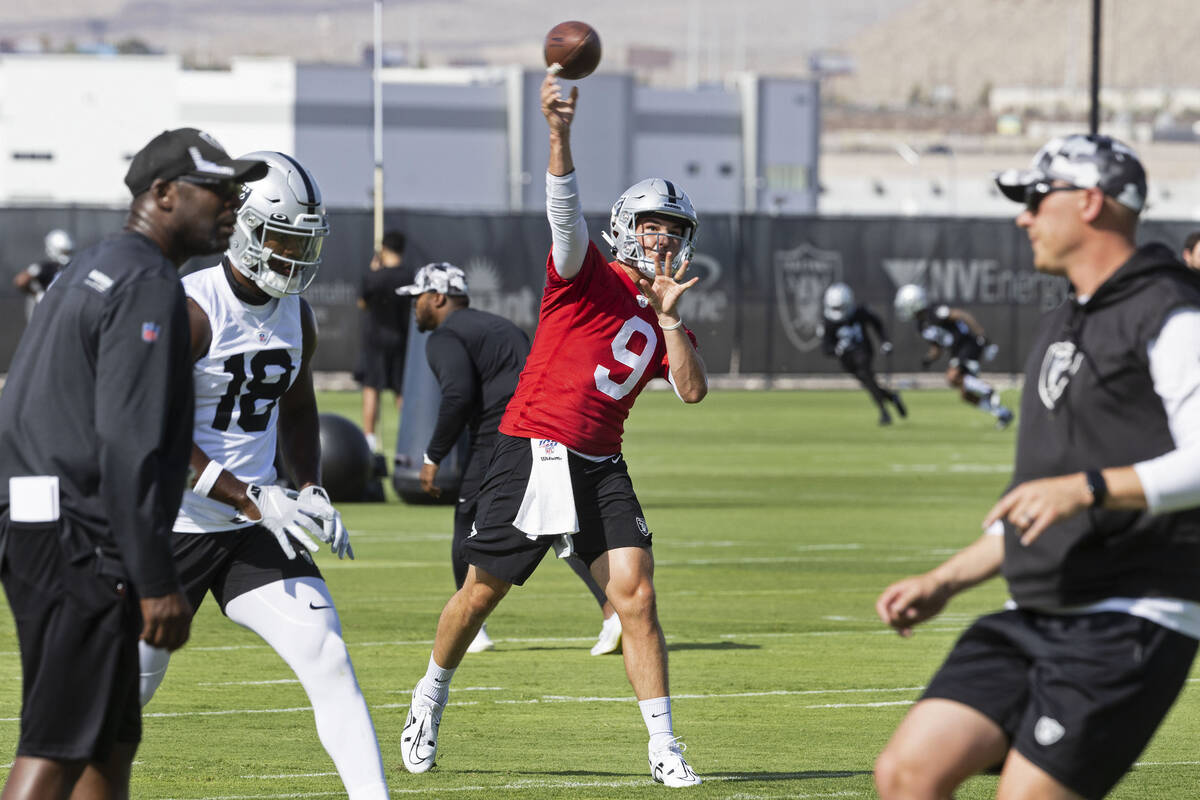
x=899, y=404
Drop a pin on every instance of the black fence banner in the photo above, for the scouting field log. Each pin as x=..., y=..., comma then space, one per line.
x=754, y=311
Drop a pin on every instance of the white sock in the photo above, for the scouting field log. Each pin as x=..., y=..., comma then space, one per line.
x=297, y=618
x=436, y=683
x=656, y=713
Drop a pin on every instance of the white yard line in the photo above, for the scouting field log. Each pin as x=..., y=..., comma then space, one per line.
x=556, y=699
x=516, y=786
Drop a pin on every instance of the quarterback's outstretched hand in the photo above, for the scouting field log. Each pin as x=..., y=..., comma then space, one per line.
x=281, y=513
x=559, y=113
x=665, y=290
x=314, y=501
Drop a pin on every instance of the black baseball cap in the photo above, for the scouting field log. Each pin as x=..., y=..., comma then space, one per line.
x=191, y=153
x=1085, y=161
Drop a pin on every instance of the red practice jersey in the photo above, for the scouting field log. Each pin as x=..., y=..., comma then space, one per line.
x=597, y=345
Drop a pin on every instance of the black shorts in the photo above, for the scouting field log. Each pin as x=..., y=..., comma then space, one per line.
x=381, y=367
x=609, y=513
x=78, y=634
x=231, y=563
x=1078, y=695
x=966, y=356
x=478, y=460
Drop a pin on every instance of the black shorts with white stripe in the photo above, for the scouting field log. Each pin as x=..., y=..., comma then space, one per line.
x=610, y=516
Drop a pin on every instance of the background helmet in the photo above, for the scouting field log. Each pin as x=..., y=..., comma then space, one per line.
x=59, y=246
x=281, y=225
x=656, y=196
x=910, y=301
x=839, y=302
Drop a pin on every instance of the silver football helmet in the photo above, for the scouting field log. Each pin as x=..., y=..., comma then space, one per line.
x=59, y=246
x=911, y=299
x=839, y=302
x=280, y=228
x=656, y=196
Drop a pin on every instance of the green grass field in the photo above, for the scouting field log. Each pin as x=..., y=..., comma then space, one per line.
x=777, y=517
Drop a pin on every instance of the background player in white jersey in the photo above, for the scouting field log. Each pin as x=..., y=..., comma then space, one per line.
x=604, y=330
x=239, y=535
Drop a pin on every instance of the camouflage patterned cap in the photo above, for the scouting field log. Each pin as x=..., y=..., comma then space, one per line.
x=1084, y=161
x=441, y=277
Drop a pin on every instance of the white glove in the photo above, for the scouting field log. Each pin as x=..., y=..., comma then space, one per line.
x=315, y=502
x=886, y=347
x=281, y=514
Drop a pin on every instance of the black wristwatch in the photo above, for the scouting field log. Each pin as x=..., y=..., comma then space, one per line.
x=1097, y=486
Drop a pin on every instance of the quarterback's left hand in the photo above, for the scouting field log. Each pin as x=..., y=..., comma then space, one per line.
x=664, y=291
x=314, y=501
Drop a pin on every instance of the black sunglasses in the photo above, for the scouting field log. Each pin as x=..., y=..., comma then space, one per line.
x=1036, y=193
x=225, y=189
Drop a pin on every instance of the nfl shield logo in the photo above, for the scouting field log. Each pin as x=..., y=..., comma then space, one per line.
x=801, y=277
x=547, y=446
x=150, y=331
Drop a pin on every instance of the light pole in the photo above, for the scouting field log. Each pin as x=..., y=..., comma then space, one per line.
x=378, y=124
x=944, y=149
x=912, y=208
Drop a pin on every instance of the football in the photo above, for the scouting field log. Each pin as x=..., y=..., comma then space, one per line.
x=573, y=48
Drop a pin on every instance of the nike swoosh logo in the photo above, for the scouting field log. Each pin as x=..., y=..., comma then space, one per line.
x=616, y=458
x=661, y=714
x=317, y=608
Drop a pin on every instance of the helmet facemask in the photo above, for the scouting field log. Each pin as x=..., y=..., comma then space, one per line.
x=281, y=227
x=658, y=198
x=281, y=259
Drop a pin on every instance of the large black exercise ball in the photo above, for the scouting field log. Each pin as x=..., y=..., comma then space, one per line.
x=347, y=465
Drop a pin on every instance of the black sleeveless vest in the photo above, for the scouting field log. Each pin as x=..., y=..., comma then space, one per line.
x=1089, y=403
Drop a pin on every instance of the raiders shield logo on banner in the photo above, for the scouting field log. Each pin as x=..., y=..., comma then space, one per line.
x=1061, y=361
x=801, y=277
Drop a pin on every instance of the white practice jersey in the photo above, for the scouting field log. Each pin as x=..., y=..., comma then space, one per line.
x=252, y=360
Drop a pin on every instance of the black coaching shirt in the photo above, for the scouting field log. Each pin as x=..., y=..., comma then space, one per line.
x=100, y=394
x=386, y=321
x=477, y=358
x=1089, y=403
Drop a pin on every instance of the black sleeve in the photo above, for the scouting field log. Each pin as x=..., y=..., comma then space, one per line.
x=828, y=337
x=451, y=363
x=872, y=319
x=144, y=425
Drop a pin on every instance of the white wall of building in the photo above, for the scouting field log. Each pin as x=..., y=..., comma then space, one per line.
x=69, y=124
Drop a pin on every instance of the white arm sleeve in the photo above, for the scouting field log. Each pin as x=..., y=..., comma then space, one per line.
x=568, y=230
x=1172, y=481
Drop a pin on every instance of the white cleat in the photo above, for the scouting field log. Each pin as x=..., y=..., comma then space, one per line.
x=610, y=637
x=418, y=741
x=668, y=767
x=481, y=641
